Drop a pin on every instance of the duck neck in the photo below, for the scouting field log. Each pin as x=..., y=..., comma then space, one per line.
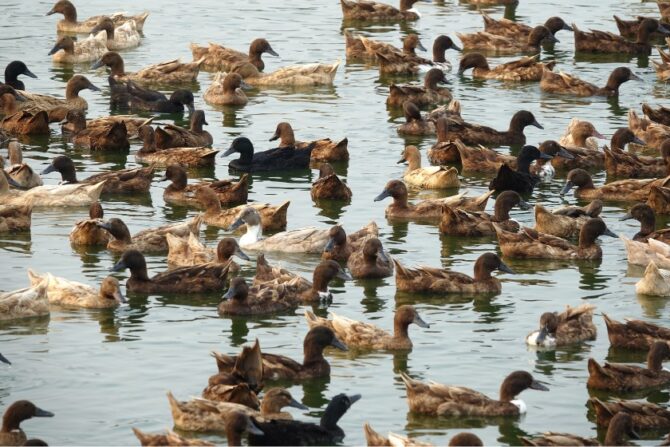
x=11, y=422
x=413, y=162
x=313, y=354
x=253, y=234
x=400, y=329
x=117, y=68
x=438, y=54
x=255, y=59
x=580, y=139
x=270, y=406
x=69, y=13
x=501, y=211
x=613, y=84
x=482, y=273
x=586, y=240
x=655, y=360
x=72, y=91
x=234, y=438
x=408, y=49
x=406, y=4
x=516, y=127
x=647, y=226
x=320, y=283
x=523, y=165
x=643, y=35
x=196, y=126
x=68, y=174
x=139, y=273
x=178, y=184
x=400, y=201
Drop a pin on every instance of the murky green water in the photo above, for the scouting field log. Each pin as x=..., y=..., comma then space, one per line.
x=103, y=372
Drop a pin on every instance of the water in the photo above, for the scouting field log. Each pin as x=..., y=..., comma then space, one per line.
x=103, y=372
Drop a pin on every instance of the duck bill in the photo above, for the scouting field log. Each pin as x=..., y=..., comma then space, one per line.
x=353, y=398
x=524, y=205
x=163, y=179
x=253, y=429
x=3, y=359
x=93, y=87
x=634, y=77
x=626, y=216
x=56, y=48
x=420, y=46
x=29, y=73
x=240, y=254
x=456, y=47
x=567, y=27
x=505, y=268
x=610, y=233
x=104, y=226
x=190, y=107
x=51, y=12
x=272, y=52
x=662, y=28
x=228, y=151
x=329, y=245
x=11, y=181
x=536, y=124
x=382, y=196
x=562, y=152
x=99, y=63
x=539, y=386
x=274, y=137
x=119, y=266
x=420, y=322
x=295, y=404
x=338, y=344
x=638, y=141
x=245, y=86
x=235, y=225
x=230, y=293
x=48, y=170
x=566, y=189
x=544, y=156
x=42, y=413
x=542, y=335
x=341, y=274
x=598, y=135
x=118, y=296
x=402, y=160
x=383, y=256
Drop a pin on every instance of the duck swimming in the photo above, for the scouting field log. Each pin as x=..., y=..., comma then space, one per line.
x=359, y=47
x=24, y=122
x=185, y=252
x=270, y=160
x=565, y=222
x=340, y=246
x=620, y=429
x=415, y=124
x=51, y=195
x=374, y=439
x=151, y=240
x=169, y=438
x=323, y=149
x=175, y=104
x=630, y=165
x=605, y=42
x=110, y=136
x=508, y=28
x=521, y=180
x=68, y=51
x=227, y=89
x=472, y=134
x=453, y=401
x=371, y=11
x=120, y=37
x=329, y=186
x=28, y=302
x=485, y=41
x=69, y=23
x=434, y=177
x=262, y=299
x=574, y=325
x=634, y=334
x=19, y=171
x=644, y=214
x=68, y=293
x=179, y=192
x=13, y=70
x=434, y=280
x=164, y=73
x=652, y=133
x=645, y=415
x=428, y=94
x=370, y=261
x=221, y=59
x=624, y=377
x=87, y=231
x=659, y=115
x=524, y=69
x=565, y=84
x=21, y=410
x=57, y=108
x=621, y=190
x=655, y=282
x=306, y=75
x=15, y=217
x=184, y=156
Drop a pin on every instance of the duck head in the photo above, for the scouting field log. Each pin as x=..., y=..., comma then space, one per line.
x=325, y=272
x=238, y=290
x=284, y=133
x=243, y=146
x=623, y=136
x=13, y=70
x=76, y=84
x=440, y=45
x=233, y=81
x=591, y=230
x=556, y=24
x=487, y=263
x=578, y=178
x=20, y=411
x=523, y=119
x=256, y=49
x=249, y=216
x=473, y=60
x=404, y=316
x=134, y=261
x=66, y=8
x=620, y=428
x=517, y=382
x=505, y=201
x=177, y=175
x=64, y=166
x=336, y=238
x=528, y=155
x=320, y=337
x=110, y=289
x=412, y=42
x=541, y=34
x=582, y=131
x=277, y=398
x=198, y=120
x=551, y=147
x=649, y=26
x=373, y=249
x=117, y=228
x=65, y=43
x=658, y=352
x=465, y=439
x=548, y=327
x=228, y=247
x=104, y=24
x=237, y=424
x=434, y=77
x=183, y=97
x=644, y=214
x=395, y=189
x=411, y=111
x=336, y=408
x=619, y=76
x=113, y=60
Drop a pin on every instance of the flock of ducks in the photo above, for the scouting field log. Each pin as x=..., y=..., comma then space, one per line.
x=230, y=403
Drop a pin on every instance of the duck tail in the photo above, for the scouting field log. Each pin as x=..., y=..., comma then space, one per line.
x=280, y=212
x=603, y=413
x=371, y=229
x=540, y=210
x=196, y=223
x=140, y=19
x=374, y=438
x=549, y=65
x=94, y=191
x=595, y=370
x=34, y=277
x=343, y=143
x=141, y=436
x=483, y=199
x=175, y=407
x=401, y=270
x=243, y=182
x=454, y=107
x=487, y=19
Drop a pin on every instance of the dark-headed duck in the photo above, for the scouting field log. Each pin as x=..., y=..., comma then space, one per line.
x=566, y=84
x=371, y=11
x=604, y=42
x=525, y=69
x=625, y=377
x=370, y=261
x=181, y=193
x=470, y=133
x=184, y=156
x=415, y=123
x=70, y=24
x=644, y=214
x=630, y=165
x=19, y=411
x=323, y=149
x=221, y=59
x=12, y=72
x=520, y=180
x=68, y=51
x=240, y=299
x=428, y=94
x=573, y=325
x=57, y=108
x=509, y=28
x=485, y=41
x=329, y=186
x=621, y=190
x=227, y=89
x=270, y=160
x=175, y=104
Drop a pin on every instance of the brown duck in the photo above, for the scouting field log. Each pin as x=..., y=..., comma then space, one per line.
x=473, y=134
x=566, y=84
x=370, y=261
x=329, y=186
x=644, y=214
x=525, y=69
x=634, y=334
x=605, y=42
x=181, y=193
x=324, y=149
x=174, y=136
x=110, y=137
x=428, y=94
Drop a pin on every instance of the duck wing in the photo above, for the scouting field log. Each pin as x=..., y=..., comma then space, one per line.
x=357, y=332
x=145, y=94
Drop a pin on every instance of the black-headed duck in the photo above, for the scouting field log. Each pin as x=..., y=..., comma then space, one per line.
x=485, y=41
x=645, y=415
x=457, y=222
x=21, y=410
x=566, y=84
x=371, y=11
x=29, y=302
x=305, y=75
x=221, y=59
x=659, y=115
x=191, y=279
x=240, y=299
x=621, y=190
x=434, y=177
x=630, y=165
x=151, y=240
x=415, y=123
x=323, y=149
x=529, y=244
x=186, y=252
x=644, y=214
x=119, y=37
x=443, y=400
x=626, y=377
x=175, y=104
x=68, y=51
x=567, y=221
x=12, y=72
x=428, y=94
x=227, y=89
x=327, y=432
x=370, y=261
x=169, y=438
x=87, y=231
x=125, y=181
x=70, y=24
x=110, y=137
x=652, y=133
x=270, y=160
x=368, y=336
x=434, y=280
x=57, y=108
x=184, y=156
x=164, y=73
x=604, y=42
x=64, y=292
x=525, y=69
x=470, y=133
x=619, y=431
x=174, y=136
x=181, y=193
x=634, y=334
x=573, y=325
x=509, y=28
x=329, y=186
x=520, y=180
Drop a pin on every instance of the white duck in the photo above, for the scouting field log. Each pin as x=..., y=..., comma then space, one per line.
x=64, y=292
x=24, y=303
x=51, y=195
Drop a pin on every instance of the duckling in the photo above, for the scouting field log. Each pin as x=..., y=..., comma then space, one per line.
x=227, y=89
x=415, y=124
x=371, y=11
x=170, y=438
x=529, y=244
x=645, y=415
x=68, y=51
x=524, y=69
x=179, y=192
x=87, y=231
x=520, y=180
x=644, y=214
x=110, y=137
x=374, y=439
x=625, y=377
x=630, y=165
x=190, y=279
x=428, y=94
x=164, y=73
x=620, y=429
x=24, y=303
x=508, y=28
x=457, y=222
x=120, y=37
x=220, y=58
x=262, y=299
x=340, y=246
x=634, y=334
x=574, y=325
x=652, y=133
x=443, y=400
x=566, y=84
x=270, y=160
x=13, y=70
x=68, y=293
x=659, y=115
x=175, y=104
x=15, y=217
x=622, y=190
x=57, y=108
x=327, y=432
x=186, y=252
x=51, y=195
x=470, y=133
x=69, y=23
x=124, y=181
x=324, y=149
x=151, y=240
x=185, y=156
x=565, y=222
x=26, y=122
x=433, y=280
x=19, y=171
x=370, y=261
x=329, y=186
x=306, y=75
x=425, y=210
x=368, y=336
x=485, y=41
x=605, y=42
x=435, y=177
x=21, y=410
x=655, y=282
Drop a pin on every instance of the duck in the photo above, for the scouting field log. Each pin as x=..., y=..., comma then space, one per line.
x=529, y=244
x=69, y=23
x=190, y=279
x=371, y=11
x=179, y=192
x=566, y=84
x=634, y=334
x=227, y=89
x=425, y=210
x=50, y=195
x=122, y=37
x=323, y=149
x=329, y=186
x=278, y=367
x=131, y=122
x=428, y=94
x=57, y=108
x=13, y=70
x=306, y=75
x=659, y=115
x=124, y=181
x=465, y=438
x=361, y=47
x=434, y=177
x=625, y=377
x=415, y=124
x=19, y=411
x=565, y=222
x=68, y=51
x=370, y=261
x=15, y=218
x=400, y=63
x=190, y=251
x=472, y=134
x=520, y=180
x=87, y=232
x=508, y=28
x=630, y=165
x=662, y=68
x=374, y=439
x=164, y=73
x=25, y=122
x=581, y=134
x=642, y=253
x=243, y=369
x=443, y=400
x=605, y=42
x=485, y=41
x=190, y=157
x=645, y=415
x=655, y=282
x=169, y=438
x=480, y=158
x=270, y=160
x=8, y=99
x=112, y=136
x=28, y=302
x=659, y=199
x=64, y=292
x=340, y=246
x=458, y=222
x=239, y=393
x=526, y=69
x=630, y=28
x=652, y=133
x=621, y=190
x=273, y=218
x=434, y=280
x=644, y=214
x=262, y=299
x=571, y=326
x=368, y=336
x=151, y=240
x=19, y=171
x=545, y=168
x=174, y=104
x=221, y=59
x=620, y=429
